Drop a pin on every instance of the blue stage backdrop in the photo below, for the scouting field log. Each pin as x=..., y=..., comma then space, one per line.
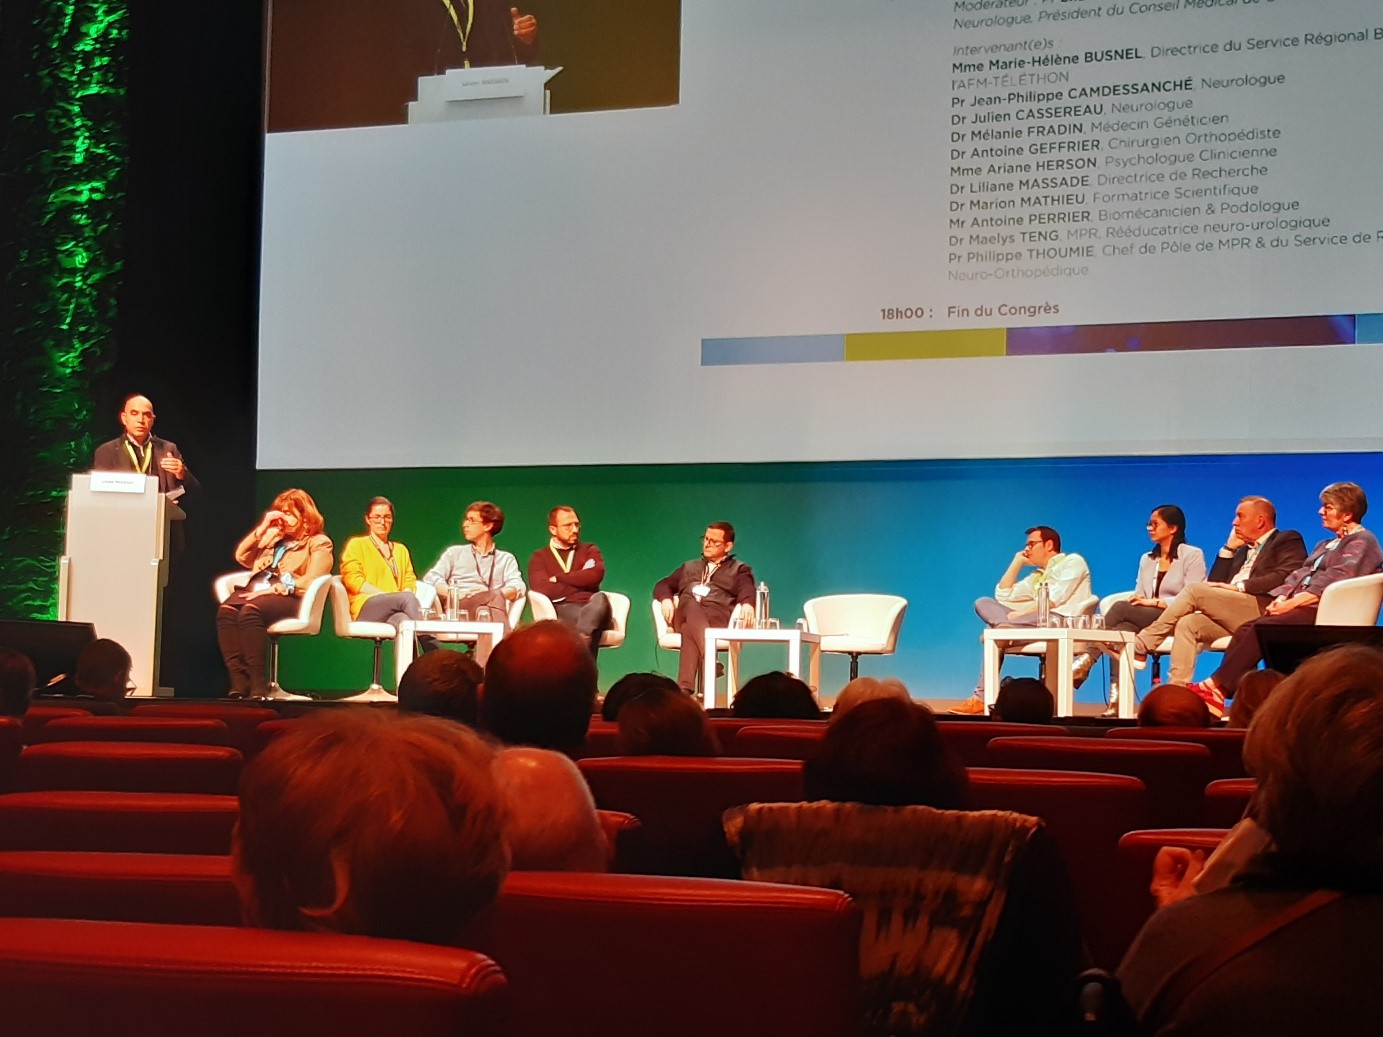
x=937, y=532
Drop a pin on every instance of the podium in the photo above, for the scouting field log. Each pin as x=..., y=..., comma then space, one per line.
x=115, y=564
x=481, y=93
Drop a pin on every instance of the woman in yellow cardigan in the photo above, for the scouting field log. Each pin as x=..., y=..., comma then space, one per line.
x=378, y=573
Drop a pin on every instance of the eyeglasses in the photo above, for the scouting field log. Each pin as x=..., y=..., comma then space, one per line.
x=713, y=543
x=1032, y=543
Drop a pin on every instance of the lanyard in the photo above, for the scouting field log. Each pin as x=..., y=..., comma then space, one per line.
x=465, y=33
x=141, y=464
x=388, y=557
x=490, y=576
x=564, y=563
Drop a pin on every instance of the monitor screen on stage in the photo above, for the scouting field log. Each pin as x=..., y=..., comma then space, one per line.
x=818, y=230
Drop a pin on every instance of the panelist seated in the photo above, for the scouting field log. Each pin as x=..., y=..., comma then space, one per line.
x=1349, y=551
x=1255, y=560
x=477, y=574
x=285, y=552
x=1171, y=566
x=1065, y=576
x=703, y=593
x=378, y=573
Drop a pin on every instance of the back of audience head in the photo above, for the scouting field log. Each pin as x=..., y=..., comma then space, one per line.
x=443, y=684
x=1023, y=700
x=552, y=822
x=374, y=824
x=540, y=688
x=665, y=723
x=1254, y=689
x=628, y=686
x=863, y=689
x=1316, y=749
x=103, y=670
x=1173, y=705
x=778, y=696
x=17, y=680
x=888, y=753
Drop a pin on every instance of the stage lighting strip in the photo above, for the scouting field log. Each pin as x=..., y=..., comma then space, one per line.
x=1166, y=336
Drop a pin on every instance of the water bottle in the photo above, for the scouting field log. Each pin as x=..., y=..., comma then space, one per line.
x=1044, y=605
x=761, y=609
x=454, y=598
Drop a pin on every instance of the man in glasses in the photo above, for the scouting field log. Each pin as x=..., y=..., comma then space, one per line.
x=702, y=593
x=1014, y=604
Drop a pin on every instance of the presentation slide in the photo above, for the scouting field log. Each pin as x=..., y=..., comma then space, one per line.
x=818, y=230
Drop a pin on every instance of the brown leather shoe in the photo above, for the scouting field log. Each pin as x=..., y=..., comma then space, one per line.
x=971, y=707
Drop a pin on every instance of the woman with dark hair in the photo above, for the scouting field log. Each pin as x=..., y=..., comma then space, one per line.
x=631, y=685
x=1171, y=565
x=285, y=552
x=659, y=722
x=378, y=572
x=887, y=752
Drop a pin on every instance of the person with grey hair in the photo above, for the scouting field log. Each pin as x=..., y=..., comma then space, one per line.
x=1294, y=935
x=552, y=822
x=863, y=689
x=1349, y=551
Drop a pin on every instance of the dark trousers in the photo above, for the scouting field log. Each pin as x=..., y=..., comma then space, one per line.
x=589, y=618
x=691, y=620
x=242, y=631
x=1244, y=653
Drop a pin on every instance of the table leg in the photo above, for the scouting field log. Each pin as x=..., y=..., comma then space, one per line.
x=794, y=646
x=990, y=680
x=405, y=647
x=1060, y=650
x=1126, y=682
x=484, y=645
x=814, y=666
x=708, y=673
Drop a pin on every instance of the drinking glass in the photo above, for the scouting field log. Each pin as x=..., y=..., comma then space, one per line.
x=482, y=614
x=463, y=615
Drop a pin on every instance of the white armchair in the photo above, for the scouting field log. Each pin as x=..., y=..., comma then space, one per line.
x=307, y=621
x=542, y=608
x=856, y=624
x=672, y=641
x=376, y=632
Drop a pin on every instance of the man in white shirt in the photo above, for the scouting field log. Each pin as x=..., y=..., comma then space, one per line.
x=483, y=575
x=1014, y=604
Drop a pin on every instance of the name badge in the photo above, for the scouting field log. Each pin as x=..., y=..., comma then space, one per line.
x=700, y=590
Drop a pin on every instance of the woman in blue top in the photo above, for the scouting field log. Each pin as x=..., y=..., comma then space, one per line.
x=1162, y=573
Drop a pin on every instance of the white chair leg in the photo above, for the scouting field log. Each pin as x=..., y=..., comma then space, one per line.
x=376, y=692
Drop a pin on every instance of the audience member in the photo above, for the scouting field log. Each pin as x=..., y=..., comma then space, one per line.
x=17, y=682
x=665, y=723
x=1173, y=705
x=863, y=689
x=888, y=753
x=1254, y=689
x=1023, y=700
x=629, y=686
x=1316, y=749
x=367, y=823
x=443, y=684
x=778, y=696
x=552, y=824
x=540, y=688
x=103, y=671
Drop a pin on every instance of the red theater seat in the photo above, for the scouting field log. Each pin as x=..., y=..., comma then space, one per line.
x=1175, y=773
x=271, y=729
x=1135, y=903
x=1226, y=745
x=117, y=822
x=179, y=730
x=38, y=715
x=176, y=888
x=1227, y=799
x=11, y=743
x=680, y=800
x=241, y=721
x=969, y=739
x=1086, y=814
x=631, y=956
x=130, y=767
x=64, y=976
x=602, y=739
x=774, y=740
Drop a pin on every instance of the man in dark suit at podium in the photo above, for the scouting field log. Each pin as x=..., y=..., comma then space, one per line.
x=139, y=450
